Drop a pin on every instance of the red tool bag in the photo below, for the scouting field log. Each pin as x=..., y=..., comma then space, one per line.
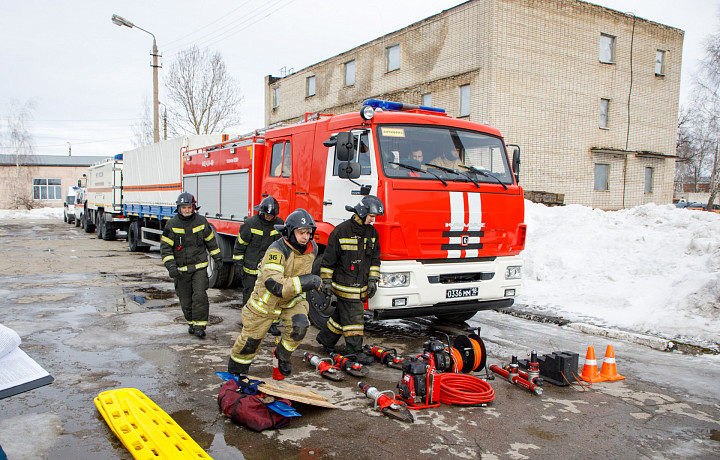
x=248, y=410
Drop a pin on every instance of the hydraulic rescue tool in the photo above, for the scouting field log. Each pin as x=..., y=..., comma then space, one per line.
x=325, y=367
x=434, y=376
x=388, y=405
x=387, y=356
x=349, y=365
x=512, y=374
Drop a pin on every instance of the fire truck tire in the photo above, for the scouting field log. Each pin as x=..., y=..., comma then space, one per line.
x=219, y=276
x=234, y=280
x=99, y=224
x=456, y=317
x=133, y=237
x=89, y=227
x=109, y=234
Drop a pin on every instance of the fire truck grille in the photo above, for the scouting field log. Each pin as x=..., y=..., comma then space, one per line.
x=452, y=278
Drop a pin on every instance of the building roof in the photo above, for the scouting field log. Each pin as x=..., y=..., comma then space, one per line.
x=51, y=160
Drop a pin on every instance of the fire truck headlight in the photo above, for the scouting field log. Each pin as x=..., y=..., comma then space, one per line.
x=513, y=272
x=393, y=280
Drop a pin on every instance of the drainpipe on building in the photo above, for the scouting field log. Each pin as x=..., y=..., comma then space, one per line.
x=627, y=135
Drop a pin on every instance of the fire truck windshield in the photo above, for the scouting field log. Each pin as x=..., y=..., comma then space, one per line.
x=449, y=154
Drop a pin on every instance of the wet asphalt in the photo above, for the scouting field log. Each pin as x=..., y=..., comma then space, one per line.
x=98, y=317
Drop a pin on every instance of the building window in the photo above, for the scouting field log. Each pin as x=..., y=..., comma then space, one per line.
x=276, y=97
x=350, y=73
x=393, y=57
x=464, y=100
x=648, y=180
x=427, y=100
x=47, y=189
x=607, y=48
x=602, y=172
x=311, y=85
x=659, y=62
x=604, y=110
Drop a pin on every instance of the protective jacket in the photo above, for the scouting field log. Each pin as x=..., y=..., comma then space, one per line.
x=185, y=243
x=286, y=268
x=255, y=236
x=351, y=256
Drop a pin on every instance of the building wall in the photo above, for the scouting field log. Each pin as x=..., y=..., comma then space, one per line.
x=10, y=176
x=534, y=73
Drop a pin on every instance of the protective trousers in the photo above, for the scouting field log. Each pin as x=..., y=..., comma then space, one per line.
x=191, y=289
x=347, y=320
x=248, y=283
x=256, y=325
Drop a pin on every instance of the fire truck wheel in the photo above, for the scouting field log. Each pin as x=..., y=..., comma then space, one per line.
x=133, y=237
x=456, y=317
x=88, y=226
x=109, y=234
x=218, y=276
x=234, y=279
x=99, y=225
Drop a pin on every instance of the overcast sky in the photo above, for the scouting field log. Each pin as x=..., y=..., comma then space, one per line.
x=90, y=78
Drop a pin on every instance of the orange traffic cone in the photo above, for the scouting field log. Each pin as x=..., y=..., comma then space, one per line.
x=590, y=370
x=609, y=369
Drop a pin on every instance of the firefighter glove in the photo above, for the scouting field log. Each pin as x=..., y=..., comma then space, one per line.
x=372, y=287
x=326, y=287
x=309, y=282
x=173, y=272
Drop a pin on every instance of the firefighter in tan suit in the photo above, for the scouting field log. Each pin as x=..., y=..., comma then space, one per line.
x=285, y=276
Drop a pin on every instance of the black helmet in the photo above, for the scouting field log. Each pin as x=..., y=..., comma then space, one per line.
x=269, y=206
x=299, y=218
x=368, y=205
x=186, y=198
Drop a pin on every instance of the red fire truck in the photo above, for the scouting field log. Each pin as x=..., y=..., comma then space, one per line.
x=453, y=226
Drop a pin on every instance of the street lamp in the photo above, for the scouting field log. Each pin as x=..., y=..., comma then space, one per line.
x=120, y=21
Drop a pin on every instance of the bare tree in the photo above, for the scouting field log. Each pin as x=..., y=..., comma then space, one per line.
x=142, y=129
x=21, y=144
x=203, y=98
x=707, y=90
x=696, y=145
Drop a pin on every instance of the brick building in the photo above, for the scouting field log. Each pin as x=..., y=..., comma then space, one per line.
x=590, y=94
x=39, y=180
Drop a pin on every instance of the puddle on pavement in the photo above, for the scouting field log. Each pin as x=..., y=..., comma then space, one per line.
x=162, y=357
x=147, y=298
x=542, y=434
x=190, y=422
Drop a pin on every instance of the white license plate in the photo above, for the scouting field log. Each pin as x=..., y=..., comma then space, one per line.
x=455, y=293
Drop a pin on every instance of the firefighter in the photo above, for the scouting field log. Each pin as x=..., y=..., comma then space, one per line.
x=350, y=269
x=186, y=241
x=284, y=278
x=254, y=237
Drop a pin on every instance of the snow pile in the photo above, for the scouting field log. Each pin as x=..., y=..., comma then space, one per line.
x=650, y=269
x=39, y=213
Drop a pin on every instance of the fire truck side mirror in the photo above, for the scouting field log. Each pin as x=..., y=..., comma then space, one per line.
x=345, y=146
x=516, y=162
x=349, y=170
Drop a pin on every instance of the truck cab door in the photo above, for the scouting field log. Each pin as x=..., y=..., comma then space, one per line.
x=279, y=180
x=340, y=192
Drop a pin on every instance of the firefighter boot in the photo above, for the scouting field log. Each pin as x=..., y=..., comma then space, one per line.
x=191, y=329
x=283, y=357
x=354, y=347
x=200, y=331
x=238, y=369
x=274, y=329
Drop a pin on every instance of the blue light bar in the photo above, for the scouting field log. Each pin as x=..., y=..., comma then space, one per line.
x=399, y=106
